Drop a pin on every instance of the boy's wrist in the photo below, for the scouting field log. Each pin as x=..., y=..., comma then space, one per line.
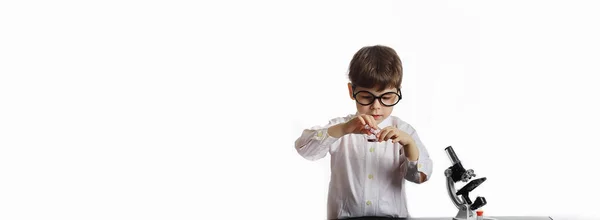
x=412, y=152
x=336, y=131
x=412, y=144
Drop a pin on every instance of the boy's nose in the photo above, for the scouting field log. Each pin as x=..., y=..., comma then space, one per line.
x=376, y=104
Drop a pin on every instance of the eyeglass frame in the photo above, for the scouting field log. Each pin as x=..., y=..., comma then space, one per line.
x=399, y=93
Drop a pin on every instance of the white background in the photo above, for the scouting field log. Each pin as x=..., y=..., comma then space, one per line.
x=188, y=110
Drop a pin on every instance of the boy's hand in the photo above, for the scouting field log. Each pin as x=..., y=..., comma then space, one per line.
x=396, y=135
x=357, y=124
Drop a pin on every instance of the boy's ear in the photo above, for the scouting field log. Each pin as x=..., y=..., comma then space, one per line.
x=350, y=91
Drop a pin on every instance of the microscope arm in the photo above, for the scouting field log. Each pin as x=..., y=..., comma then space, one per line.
x=452, y=192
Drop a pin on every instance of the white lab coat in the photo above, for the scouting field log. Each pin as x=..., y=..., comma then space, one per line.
x=367, y=178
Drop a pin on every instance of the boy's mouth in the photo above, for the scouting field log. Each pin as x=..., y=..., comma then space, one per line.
x=377, y=116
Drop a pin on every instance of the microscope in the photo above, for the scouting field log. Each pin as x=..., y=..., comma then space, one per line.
x=456, y=172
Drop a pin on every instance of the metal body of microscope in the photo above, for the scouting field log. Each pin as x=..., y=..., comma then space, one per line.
x=455, y=173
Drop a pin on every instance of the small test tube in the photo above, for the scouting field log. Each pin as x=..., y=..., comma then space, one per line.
x=373, y=136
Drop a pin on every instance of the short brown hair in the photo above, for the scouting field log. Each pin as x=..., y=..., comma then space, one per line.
x=377, y=67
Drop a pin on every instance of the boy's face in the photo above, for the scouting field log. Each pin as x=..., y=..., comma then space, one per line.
x=371, y=102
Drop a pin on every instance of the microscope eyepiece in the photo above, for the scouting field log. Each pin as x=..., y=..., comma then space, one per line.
x=453, y=158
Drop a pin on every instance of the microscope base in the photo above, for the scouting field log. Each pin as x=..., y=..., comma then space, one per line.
x=466, y=214
x=484, y=218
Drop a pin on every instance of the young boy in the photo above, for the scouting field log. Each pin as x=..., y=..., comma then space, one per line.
x=368, y=176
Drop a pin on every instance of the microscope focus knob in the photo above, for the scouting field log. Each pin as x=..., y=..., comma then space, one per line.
x=448, y=172
x=468, y=175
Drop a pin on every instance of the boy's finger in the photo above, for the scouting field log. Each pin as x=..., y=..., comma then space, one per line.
x=383, y=134
x=395, y=138
x=391, y=135
x=371, y=121
x=362, y=121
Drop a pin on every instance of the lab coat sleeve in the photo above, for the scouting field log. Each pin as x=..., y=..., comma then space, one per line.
x=422, y=165
x=314, y=143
